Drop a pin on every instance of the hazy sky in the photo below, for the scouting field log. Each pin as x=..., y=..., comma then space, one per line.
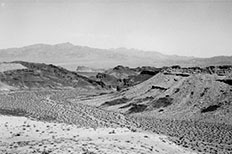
x=184, y=27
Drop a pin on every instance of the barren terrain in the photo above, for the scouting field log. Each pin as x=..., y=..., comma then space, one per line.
x=59, y=114
x=21, y=135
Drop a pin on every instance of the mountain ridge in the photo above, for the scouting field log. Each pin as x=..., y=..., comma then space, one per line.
x=70, y=56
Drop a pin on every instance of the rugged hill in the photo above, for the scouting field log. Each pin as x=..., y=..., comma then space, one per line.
x=180, y=93
x=192, y=105
x=121, y=72
x=71, y=56
x=38, y=75
x=121, y=77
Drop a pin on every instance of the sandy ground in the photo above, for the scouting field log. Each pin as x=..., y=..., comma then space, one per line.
x=20, y=135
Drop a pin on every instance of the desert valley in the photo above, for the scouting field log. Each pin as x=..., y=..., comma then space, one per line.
x=115, y=76
x=48, y=108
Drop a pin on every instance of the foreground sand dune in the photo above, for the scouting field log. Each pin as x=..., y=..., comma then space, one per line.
x=20, y=135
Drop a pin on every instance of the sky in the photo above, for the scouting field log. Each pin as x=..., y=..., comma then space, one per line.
x=201, y=28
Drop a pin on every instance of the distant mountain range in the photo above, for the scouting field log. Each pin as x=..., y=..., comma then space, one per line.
x=70, y=56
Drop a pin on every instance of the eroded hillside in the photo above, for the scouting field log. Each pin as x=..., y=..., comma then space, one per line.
x=179, y=93
x=38, y=75
x=191, y=105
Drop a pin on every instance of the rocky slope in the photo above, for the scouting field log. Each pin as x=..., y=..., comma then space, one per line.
x=121, y=77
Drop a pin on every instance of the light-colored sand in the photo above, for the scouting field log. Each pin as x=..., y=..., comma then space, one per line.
x=10, y=66
x=20, y=135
